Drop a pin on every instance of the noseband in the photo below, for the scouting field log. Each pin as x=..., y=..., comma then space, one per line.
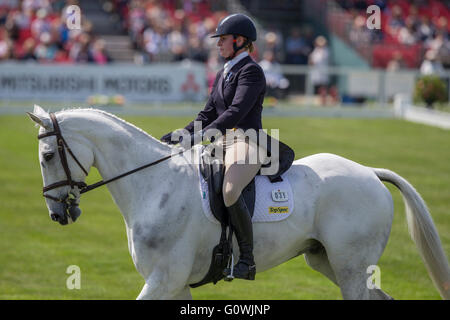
x=83, y=187
x=62, y=147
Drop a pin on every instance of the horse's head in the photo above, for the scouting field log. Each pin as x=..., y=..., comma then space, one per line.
x=63, y=168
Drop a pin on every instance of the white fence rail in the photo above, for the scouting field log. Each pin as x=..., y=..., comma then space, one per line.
x=374, y=84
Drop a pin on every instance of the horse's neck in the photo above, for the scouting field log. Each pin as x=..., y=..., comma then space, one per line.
x=120, y=147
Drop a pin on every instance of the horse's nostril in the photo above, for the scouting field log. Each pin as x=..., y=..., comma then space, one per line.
x=54, y=217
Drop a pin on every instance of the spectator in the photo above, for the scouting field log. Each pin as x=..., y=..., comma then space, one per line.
x=46, y=50
x=297, y=48
x=136, y=23
x=319, y=60
x=407, y=33
x=395, y=22
x=28, y=50
x=196, y=51
x=359, y=33
x=5, y=44
x=436, y=43
x=413, y=16
x=273, y=41
x=442, y=27
x=276, y=82
x=155, y=42
x=80, y=50
x=177, y=42
x=98, y=53
x=425, y=29
x=431, y=65
x=396, y=63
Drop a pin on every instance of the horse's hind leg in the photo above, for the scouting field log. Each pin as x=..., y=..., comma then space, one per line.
x=316, y=257
x=350, y=254
x=351, y=268
x=351, y=276
x=378, y=294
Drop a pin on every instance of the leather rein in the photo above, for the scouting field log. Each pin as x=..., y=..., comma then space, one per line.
x=82, y=186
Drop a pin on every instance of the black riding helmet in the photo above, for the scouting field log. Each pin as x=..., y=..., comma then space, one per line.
x=237, y=25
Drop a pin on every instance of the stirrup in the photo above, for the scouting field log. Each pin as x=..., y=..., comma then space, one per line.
x=228, y=272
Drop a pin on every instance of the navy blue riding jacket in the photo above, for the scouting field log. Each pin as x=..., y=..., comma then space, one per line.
x=235, y=102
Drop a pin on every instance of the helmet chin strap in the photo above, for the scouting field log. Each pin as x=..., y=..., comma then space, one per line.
x=236, y=48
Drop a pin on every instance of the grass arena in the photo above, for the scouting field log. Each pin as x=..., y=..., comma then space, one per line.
x=36, y=254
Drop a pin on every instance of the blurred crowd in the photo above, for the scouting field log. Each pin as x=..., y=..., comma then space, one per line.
x=408, y=23
x=168, y=30
x=171, y=30
x=175, y=30
x=36, y=30
x=159, y=30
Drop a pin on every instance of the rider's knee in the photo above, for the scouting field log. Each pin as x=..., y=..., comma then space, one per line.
x=230, y=194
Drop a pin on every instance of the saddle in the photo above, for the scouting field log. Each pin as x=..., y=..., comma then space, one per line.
x=212, y=170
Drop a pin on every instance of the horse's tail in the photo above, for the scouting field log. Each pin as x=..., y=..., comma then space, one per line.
x=423, y=231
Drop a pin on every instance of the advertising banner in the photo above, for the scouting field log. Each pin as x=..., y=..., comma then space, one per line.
x=171, y=82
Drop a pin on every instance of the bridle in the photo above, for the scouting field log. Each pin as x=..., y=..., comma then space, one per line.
x=62, y=147
x=70, y=198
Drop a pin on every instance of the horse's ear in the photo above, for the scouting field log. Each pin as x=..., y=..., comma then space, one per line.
x=40, y=117
x=39, y=111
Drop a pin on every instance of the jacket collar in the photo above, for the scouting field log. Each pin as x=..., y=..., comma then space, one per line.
x=221, y=84
x=235, y=68
x=240, y=63
x=230, y=64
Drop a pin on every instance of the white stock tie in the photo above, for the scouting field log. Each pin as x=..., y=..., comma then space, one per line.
x=226, y=68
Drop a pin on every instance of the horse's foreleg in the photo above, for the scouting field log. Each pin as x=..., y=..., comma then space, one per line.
x=158, y=287
x=149, y=293
x=168, y=278
x=155, y=287
x=185, y=294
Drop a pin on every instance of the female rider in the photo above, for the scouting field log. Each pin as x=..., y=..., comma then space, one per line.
x=236, y=103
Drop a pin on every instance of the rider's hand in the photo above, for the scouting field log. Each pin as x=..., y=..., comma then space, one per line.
x=167, y=138
x=195, y=138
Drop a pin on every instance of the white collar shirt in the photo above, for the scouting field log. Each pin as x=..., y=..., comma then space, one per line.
x=230, y=64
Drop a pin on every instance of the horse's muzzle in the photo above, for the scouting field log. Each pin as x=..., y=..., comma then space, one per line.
x=74, y=212
x=67, y=215
x=61, y=218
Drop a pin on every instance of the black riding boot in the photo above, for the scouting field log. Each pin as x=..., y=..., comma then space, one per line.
x=243, y=228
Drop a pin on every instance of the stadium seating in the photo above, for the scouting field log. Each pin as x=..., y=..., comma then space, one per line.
x=408, y=28
x=36, y=30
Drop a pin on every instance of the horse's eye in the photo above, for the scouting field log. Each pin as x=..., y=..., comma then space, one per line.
x=48, y=156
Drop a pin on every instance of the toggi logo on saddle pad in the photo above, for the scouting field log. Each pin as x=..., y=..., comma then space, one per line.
x=278, y=210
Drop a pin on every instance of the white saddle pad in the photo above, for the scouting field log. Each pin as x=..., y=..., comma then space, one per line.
x=273, y=201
